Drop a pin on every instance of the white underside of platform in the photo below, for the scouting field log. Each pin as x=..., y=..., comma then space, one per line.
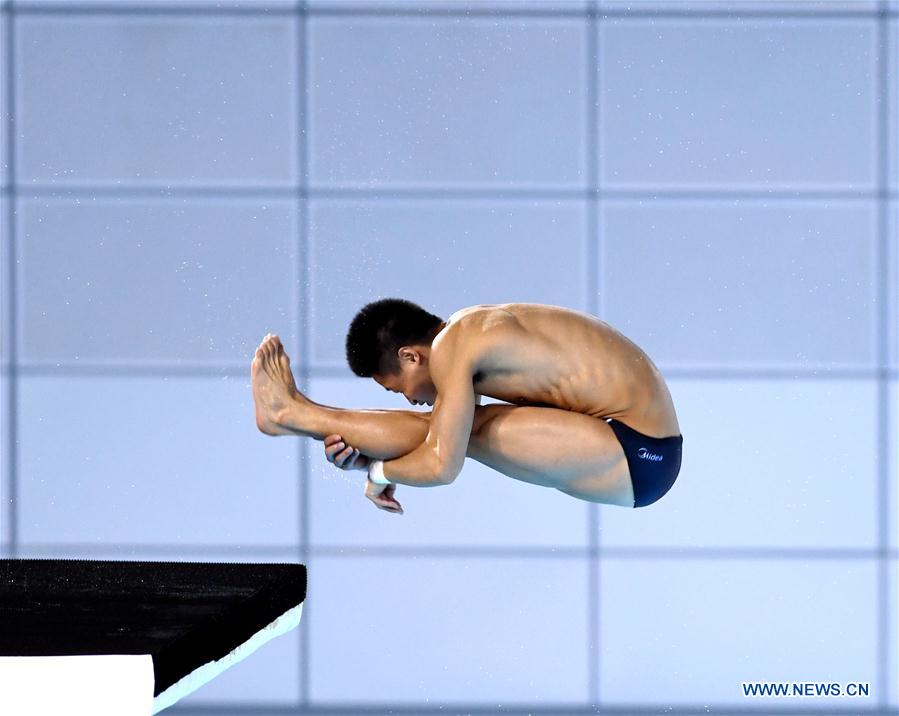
x=111, y=684
x=206, y=673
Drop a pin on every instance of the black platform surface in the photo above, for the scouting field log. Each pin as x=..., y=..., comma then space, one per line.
x=183, y=614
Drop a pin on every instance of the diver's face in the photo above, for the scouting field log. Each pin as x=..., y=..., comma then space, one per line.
x=413, y=380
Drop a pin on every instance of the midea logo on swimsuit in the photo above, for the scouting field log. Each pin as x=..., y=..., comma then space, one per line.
x=646, y=455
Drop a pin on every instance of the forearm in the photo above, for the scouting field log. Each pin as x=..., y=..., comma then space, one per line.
x=419, y=468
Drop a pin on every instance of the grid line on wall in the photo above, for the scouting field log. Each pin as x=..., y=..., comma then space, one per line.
x=593, y=306
x=9, y=513
x=812, y=372
x=306, y=333
x=884, y=434
x=678, y=552
x=36, y=191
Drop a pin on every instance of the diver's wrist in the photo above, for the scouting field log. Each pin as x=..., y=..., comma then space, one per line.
x=376, y=472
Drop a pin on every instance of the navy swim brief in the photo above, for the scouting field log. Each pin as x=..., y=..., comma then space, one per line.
x=654, y=462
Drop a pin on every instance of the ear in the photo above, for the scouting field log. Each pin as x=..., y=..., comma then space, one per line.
x=408, y=353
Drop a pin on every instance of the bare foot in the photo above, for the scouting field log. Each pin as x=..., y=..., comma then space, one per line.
x=273, y=386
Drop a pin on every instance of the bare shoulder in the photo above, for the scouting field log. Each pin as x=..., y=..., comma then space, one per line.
x=471, y=334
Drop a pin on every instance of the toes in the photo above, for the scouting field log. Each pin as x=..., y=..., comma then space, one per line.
x=270, y=348
x=271, y=341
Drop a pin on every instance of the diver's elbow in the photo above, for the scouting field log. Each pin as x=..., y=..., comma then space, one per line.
x=446, y=475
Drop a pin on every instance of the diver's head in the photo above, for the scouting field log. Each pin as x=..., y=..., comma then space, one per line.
x=390, y=341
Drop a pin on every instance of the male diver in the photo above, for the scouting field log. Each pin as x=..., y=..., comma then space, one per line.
x=586, y=412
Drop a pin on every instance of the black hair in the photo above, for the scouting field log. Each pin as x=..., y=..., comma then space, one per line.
x=381, y=328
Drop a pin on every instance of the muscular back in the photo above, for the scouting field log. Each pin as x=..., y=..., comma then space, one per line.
x=536, y=354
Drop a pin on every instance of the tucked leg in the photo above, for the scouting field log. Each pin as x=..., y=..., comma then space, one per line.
x=382, y=434
x=572, y=452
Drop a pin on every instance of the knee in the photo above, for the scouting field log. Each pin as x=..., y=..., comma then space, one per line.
x=484, y=414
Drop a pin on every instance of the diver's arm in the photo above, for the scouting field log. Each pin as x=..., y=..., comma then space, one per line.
x=419, y=468
x=439, y=459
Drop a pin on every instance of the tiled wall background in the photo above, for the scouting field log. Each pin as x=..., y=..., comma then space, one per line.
x=716, y=179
